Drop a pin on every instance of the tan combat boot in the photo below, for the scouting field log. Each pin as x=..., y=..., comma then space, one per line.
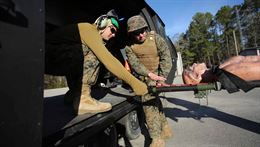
x=166, y=131
x=87, y=104
x=158, y=142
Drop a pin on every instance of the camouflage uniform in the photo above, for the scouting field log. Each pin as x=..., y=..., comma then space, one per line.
x=152, y=105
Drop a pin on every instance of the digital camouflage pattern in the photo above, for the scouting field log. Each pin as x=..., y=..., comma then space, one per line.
x=155, y=118
x=90, y=66
x=78, y=79
x=135, y=23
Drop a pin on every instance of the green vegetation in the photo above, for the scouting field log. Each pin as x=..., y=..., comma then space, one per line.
x=51, y=82
x=212, y=39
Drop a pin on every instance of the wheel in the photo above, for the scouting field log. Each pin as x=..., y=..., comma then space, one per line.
x=132, y=128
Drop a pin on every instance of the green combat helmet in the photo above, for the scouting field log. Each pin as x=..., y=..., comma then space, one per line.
x=135, y=23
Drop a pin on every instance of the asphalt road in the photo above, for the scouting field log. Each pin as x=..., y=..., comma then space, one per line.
x=228, y=120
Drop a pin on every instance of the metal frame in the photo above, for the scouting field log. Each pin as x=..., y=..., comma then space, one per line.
x=22, y=66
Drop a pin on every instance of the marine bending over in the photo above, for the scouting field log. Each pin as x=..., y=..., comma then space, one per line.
x=76, y=51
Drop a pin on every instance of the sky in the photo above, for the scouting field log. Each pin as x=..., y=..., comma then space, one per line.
x=177, y=14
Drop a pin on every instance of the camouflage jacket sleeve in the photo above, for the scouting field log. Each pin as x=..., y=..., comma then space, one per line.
x=138, y=67
x=165, y=61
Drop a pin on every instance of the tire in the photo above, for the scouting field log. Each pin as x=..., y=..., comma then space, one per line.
x=131, y=123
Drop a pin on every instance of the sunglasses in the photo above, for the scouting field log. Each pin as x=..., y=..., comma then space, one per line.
x=140, y=31
x=113, y=30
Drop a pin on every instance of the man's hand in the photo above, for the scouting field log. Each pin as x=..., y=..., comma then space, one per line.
x=162, y=84
x=155, y=77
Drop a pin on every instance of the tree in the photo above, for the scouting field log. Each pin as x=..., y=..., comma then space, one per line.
x=224, y=22
x=182, y=46
x=213, y=39
x=250, y=20
x=200, y=38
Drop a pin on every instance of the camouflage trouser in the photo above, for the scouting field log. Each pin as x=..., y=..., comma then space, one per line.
x=64, y=60
x=86, y=74
x=90, y=66
x=154, y=115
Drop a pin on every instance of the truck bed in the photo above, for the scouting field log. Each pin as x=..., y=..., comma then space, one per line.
x=62, y=127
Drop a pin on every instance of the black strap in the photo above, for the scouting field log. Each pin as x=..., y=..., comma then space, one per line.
x=231, y=82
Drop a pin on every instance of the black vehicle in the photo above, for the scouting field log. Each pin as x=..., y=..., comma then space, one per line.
x=30, y=117
x=250, y=51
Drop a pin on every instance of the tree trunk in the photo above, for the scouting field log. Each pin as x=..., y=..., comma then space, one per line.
x=235, y=41
x=228, y=51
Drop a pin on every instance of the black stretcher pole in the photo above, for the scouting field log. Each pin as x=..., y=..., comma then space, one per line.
x=185, y=87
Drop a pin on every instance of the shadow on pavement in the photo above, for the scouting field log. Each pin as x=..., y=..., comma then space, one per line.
x=197, y=112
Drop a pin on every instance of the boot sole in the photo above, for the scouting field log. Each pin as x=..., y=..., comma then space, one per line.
x=80, y=112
